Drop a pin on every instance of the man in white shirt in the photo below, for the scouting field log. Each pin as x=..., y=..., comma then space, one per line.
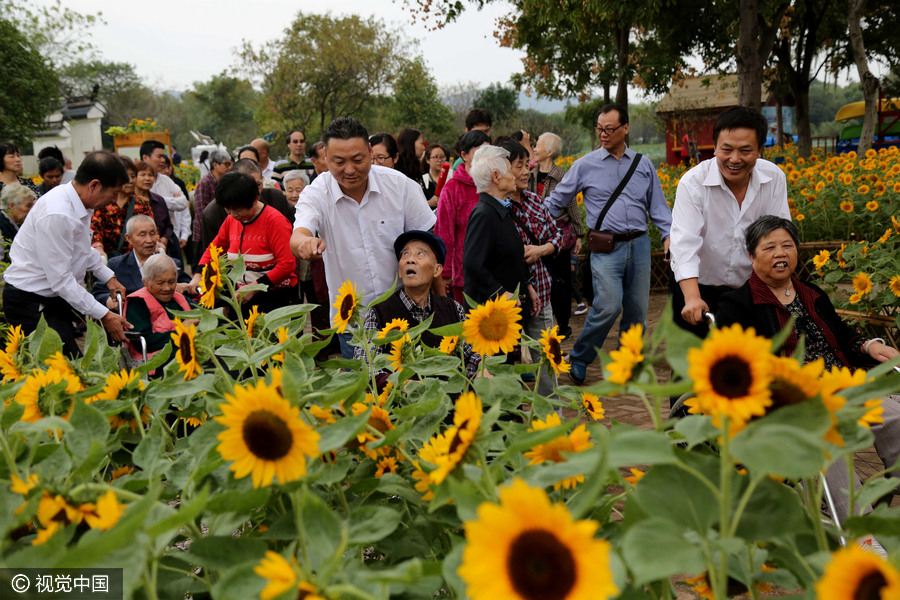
x=153, y=153
x=715, y=203
x=52, y=253
x=351, y=215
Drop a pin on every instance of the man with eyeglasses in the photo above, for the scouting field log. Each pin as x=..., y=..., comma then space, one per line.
x=296, y=158
x=621, y=272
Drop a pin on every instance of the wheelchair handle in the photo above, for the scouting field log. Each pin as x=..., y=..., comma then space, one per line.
x=120, y=303
x=710, y=318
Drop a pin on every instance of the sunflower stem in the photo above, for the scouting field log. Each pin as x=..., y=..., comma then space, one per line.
x=745, y=498
x=752, y=587
x=852, y=491
x=725, y=468
x=813, y=502
x=137, y=417
x=298, y=523
x=482, y=457
x=10, y=458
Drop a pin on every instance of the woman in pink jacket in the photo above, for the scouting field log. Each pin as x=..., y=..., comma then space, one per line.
x=457, y=200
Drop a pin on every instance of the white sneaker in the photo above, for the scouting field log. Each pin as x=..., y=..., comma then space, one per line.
x=581, y=309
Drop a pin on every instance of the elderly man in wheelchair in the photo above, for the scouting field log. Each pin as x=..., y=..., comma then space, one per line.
x=768, y=301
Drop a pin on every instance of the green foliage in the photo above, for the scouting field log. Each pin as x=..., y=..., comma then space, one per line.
x=498, y=100
x=30, y=91
x=58, y=33
x=224, y=108
x=415, y=102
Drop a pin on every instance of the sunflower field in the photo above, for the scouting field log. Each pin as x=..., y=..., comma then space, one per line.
x=244, y=469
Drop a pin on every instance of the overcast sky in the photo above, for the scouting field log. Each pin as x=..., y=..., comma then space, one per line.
x=173, y=43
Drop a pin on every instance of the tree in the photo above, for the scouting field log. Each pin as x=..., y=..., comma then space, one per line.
x=225, y=106
x=501, y=102
x=322, y=68
x=29, y=94
x=415, y=102
x=756, y=38
x=867, y=79
x=56, y=32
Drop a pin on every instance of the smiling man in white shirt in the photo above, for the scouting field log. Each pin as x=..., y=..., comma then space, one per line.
x=351, y=215
x=715, y=203
x=52, y=253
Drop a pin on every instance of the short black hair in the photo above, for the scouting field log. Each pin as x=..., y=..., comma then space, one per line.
x=246, y=166
x=622, y=110
x=248, y=148
x=315, y=148
x=388, y=140
x=345, y=128
x=515, y=149
x=105, y=167
x=167, y=160
x=765, y=225
x=478, y=116
x=52, y=152
x=741, y=117
x=472, y=139
x=48, y=164
x=287, y=138
x=149, y=146
x=7, y=148
x=236, y=190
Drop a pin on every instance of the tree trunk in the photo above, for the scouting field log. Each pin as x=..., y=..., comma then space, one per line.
x=623, y=33
x=607, y=84
x=867, y=80
x=749, y=69
x=801, y=113
x=779, y=124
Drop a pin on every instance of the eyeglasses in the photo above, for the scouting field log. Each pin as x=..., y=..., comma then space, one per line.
x=298, y=141
x=607, y=130
x=381, y=159
x=440, y=157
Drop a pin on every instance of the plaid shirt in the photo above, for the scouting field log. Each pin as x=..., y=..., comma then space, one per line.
x=203, y=195
x=535, y=216
x=372, y=324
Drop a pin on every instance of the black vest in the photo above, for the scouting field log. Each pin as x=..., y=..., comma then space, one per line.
x=443, y=309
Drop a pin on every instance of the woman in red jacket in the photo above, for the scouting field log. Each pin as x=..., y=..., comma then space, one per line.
x=457, y=200
x=262, y=235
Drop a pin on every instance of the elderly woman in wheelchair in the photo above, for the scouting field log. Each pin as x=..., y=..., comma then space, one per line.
x=768, y=301
x=149, y=309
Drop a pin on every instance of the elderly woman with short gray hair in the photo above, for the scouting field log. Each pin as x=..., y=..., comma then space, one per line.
x=150, y=308
x=493, y=253
x=15, y=203
x=293, y=183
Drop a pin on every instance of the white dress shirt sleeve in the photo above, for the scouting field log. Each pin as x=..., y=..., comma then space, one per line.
x=171, y=193
x=688, y=224
x=418, y=215
x=55, y=260
x=306, y=211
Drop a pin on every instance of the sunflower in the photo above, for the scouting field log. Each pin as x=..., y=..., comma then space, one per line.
x=387, y=464
x=39, y=401
x=731, y=375
x=448, y=449
x=550, y=342
x=627, y=356
x=448, y=344
x=280, y=574
x=886, y=236
x=864, y=189
x=121, y=472
x=52, y=515
x=265, y=436
x=250, y=321
x=116, y=383
x=830, y=383
x=396, y=354
x=871, y=205
x=874, y=415
x=187, y=353
x=854, y=574
x=847, y=206
x=792, y=383
x=282, y=333
x=126, y=418
x=855, y=298
x=105, y=513
x=423, y=481
x=820, y=186
x=821, y=259
x=494, y=326
x=592, y=405
x=9, y=366
x=526, y=548
x=22, y=487
x=800, y=216
x=894, y=285
x=211, y=278
x=553, y=450
x=636, y=475
x=862, y=283
x=393, y=325
x=346, y=304
x=59, y=362
x=380, y=421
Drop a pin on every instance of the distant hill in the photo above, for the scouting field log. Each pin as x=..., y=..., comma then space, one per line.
x=544, y=105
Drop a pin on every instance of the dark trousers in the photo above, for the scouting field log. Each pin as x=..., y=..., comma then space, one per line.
x=560, y=267
x=26, y=309
x=710, y=295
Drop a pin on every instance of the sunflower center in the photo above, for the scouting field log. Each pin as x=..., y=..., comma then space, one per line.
x=347, y=307
x=785, y=393
x=870, y=587
x=731, y=377
x=185, y=349
x=493, y=327
x=267, y=436
x=554, y=351
x=540, y=566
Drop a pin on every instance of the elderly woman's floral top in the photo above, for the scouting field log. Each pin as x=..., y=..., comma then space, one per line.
x=109, y=222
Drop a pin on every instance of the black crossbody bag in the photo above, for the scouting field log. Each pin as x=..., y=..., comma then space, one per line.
x=601, y=241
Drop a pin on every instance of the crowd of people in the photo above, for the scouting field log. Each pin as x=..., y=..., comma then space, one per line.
x=496, y=215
